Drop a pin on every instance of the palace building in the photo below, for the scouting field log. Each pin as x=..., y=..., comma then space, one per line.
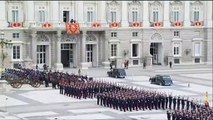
x=151, y=32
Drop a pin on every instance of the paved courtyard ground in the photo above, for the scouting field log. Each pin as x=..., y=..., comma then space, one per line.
x=47, y=104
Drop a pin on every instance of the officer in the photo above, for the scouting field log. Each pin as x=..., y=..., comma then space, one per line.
x=174, y=103
x=178, y=103
x=187, y=104
x=170, y=102
x=168, y=115
x=183, y=103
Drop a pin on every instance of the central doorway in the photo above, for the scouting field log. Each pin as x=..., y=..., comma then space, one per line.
x=156, y=52
x=67, y=55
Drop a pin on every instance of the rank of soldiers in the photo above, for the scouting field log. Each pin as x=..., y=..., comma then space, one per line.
x=117, y=97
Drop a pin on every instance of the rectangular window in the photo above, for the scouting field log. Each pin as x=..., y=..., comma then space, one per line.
x=15, y=15
x=15, y=35
x=66, y=16
x=176, y=15
x=113, y=16
x=113, y=50
x=113, y=34
x=89, y=52
x=176, y=61
x=134, y=16
x=155, y=16
x=16, y=52
x=134, y=34
x=41, y=54
x=197, y=50
x=41, y=16
x=89, y=16
x=134, y=50
x=197, y=60
x=176, y=33
x=176, y=49
x=135, y=62
x=196, y=15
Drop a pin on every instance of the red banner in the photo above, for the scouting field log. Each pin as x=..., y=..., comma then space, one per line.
x=96, y=25
x=198, y=23
x=178, y=24
x=158, y=24
x=115, y=24
x=73, y=28
x=136, y=24
x=47, y=25
x=16, y=24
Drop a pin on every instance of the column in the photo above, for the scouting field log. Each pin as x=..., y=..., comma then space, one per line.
x=34, y=47
x=84, y=64
x=102, y=12
x=166, y=14
x=106, y=50
x=124, y=20
x=145, y=14
x=80, y=12
x=187, y=14
x=3, y=19
x=58, y=64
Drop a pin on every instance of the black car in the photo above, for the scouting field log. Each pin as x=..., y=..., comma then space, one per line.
x=163, y=80
x=117, y=73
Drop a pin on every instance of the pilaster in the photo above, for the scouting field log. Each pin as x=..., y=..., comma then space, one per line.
x=145, y=14
x=102, y=13
x=124, y=20
x=80, y=12
x=187, y=14
x=3, y=23
x=166, y=14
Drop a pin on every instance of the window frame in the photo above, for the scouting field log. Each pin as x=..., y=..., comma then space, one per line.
x=17, y=53
x=41, y=54
x=113, y=49
x=114, y=34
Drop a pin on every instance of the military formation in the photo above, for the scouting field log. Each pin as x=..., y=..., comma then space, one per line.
x=117, y=97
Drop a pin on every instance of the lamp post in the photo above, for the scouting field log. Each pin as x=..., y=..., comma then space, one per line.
x=4, y=43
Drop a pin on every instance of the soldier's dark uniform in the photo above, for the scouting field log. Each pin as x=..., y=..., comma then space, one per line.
x=174, y=103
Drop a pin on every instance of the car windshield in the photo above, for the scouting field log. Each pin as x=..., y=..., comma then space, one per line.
x=166, y=77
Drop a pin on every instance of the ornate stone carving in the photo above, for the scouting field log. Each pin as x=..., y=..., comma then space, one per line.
x=156, y=37
x=42, y=38
x=90, y=38
x=68, y=38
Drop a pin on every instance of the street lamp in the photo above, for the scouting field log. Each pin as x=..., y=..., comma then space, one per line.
x=4, y=43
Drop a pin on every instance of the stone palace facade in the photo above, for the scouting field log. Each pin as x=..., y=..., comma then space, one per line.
x=155, y=32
